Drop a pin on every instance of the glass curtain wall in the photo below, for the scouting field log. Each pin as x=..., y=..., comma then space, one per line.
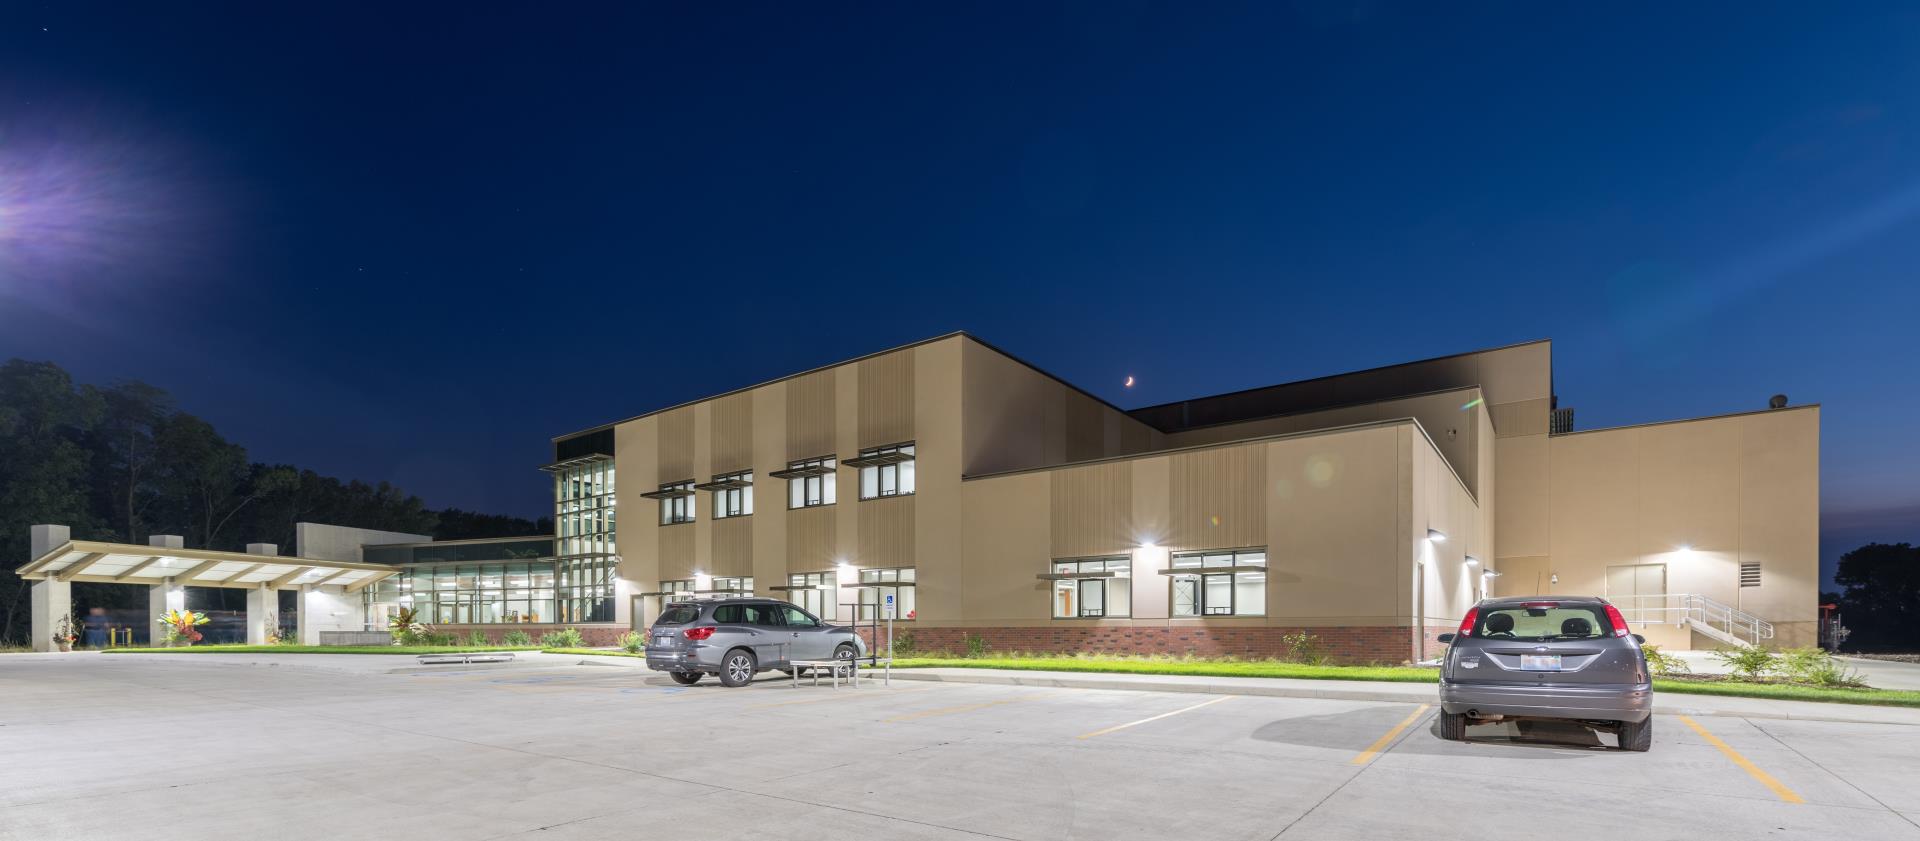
x=584, y=536
x=469, y=594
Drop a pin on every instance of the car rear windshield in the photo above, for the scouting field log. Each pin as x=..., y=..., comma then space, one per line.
x=1543, y=622
x=679, y=614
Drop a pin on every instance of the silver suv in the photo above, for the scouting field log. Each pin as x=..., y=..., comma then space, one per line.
x=737, y=638
x=1547, y=657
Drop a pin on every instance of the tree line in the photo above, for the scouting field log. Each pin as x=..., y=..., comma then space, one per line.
x=120, y=462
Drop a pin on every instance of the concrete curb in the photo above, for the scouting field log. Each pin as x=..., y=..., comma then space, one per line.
x=1402, y=693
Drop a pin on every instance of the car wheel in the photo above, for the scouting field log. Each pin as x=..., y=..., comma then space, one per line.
x=737, y=668
x=847, y=652
x=1453, y=726
x=1636, y=736
x=686, y=678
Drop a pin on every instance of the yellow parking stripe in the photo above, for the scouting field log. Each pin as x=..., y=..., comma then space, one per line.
x=963, y=708
x=1154, y=718
x=1381, y=743
x=1785, y=794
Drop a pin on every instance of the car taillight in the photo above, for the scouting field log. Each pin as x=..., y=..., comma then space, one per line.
x=1619, y=622
x=1540, y=604
x=1466, y=624
x=697, y=633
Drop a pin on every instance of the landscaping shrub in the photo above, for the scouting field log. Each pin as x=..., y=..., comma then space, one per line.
x=632, y=642
x=976, y=646
x=1816, y=667
x=902, y=644
x=477, y=637
x=1663, y=664
x=516, y=638
x=1304, y=648
x=1749, y=662
x=564, y=638
x=440, y=638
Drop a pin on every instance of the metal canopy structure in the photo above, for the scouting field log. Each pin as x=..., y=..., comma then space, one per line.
x=722, y=485
x=804, y=471
x=879, y=459
x=670, y=493
x=128, y=563
x=575, y=462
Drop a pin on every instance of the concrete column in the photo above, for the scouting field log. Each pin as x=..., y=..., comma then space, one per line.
x=326, y=608
x=167, y=541
x=262, y=602
x=50, y=599
x=162, y=597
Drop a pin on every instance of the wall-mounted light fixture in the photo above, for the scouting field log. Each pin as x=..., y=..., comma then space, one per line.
x=1436, y=535
x=1685, y=549
x=1472, y=561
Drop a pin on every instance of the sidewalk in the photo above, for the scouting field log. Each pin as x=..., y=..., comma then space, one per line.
x=1670, y=703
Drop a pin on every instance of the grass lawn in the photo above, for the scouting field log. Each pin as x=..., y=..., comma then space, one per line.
x=322, y=649
x=1401, y=674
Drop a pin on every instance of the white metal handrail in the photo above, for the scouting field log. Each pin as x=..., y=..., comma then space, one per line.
x=1716, y=618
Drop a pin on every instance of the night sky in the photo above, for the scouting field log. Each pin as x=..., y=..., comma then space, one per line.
x=395, y=242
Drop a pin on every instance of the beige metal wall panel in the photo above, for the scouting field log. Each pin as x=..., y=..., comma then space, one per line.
x=937, y=528
x=730, y=429
x=1440, y=502
x=770, y=567
x=677, y=560
x=1335, y=543
x=1218, y=498
x=732, y=552
x=1092, y=510
x=702, y=524
x=1152, y=525
x=1017, y=418
x=1006, y=525
x=810, y=415
x=1780, y=517
x=674, y=446
x=1451, y=418
x=1525, y=576
x=636, y=453
x=886, y=532
x=812, y=539
x=846, y=441
x=886, y=399
x=1522, y=518
x=1525, y=417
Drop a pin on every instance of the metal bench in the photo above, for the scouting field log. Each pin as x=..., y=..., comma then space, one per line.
x=466, y=657
x=838, y=667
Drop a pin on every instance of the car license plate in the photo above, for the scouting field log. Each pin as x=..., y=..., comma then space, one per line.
x=1540, y=662
x=663, y=639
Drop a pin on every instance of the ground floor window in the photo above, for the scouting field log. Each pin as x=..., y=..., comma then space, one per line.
x=734, y=586
x=676, y=589
x=877, y=585
x=1107, y=595
x=823, y=603
x=585, y=588
x=466, y=594
x=1220, y=583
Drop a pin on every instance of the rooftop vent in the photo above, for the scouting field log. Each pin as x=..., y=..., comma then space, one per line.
x=1562, y=422
x=1778, y=401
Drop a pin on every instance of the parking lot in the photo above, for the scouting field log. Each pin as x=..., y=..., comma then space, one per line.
x=100, y=746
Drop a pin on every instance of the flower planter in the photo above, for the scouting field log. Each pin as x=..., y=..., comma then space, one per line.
x=65, y=645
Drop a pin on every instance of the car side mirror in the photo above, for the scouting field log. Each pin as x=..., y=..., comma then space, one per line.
x=1639, y=639
x=1446, y=638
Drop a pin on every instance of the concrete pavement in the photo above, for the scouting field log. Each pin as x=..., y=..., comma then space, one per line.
x=117, y=746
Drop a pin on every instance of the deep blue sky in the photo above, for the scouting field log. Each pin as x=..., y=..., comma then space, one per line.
x=399, y=242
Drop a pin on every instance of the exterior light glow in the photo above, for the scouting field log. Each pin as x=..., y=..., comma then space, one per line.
x=1686, y=549
x=1472, y=561
x=1436, y=535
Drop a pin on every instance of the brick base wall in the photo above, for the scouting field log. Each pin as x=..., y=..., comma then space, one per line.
x=1349, y=645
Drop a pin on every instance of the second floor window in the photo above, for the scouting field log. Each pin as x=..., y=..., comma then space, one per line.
x=676, y=503
x=886, y=471
x=733, y=495
x=814, y=484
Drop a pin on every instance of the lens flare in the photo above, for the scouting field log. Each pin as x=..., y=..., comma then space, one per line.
x=1470, y=404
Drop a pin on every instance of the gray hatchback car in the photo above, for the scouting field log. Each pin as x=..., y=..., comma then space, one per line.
x=738, y=638
x=1568, y=658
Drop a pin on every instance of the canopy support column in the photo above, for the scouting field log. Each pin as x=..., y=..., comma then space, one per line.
x=52, y=598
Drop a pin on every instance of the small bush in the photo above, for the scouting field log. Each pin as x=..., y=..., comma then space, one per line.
x=442, y=639
x=1749, y=662
x=976, y=646
x=516, y=638
x=563, y=638
x=902, y=644
x=632, y=642
x=1663, y=664
x=1816, y=667
x=1304, y=648
x=477, y=637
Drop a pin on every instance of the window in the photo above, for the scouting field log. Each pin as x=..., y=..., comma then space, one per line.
x=743, y=586
x=881, y=583
x=1543, y=623
x=676, y=502
x=734, y=501
x=463, y=594
x=893, y=477
x=811, y=490
x=797, y=618
x=1109, y=593
x=678, y=615
x=747, y=614
x=1220, y=584
x=819, y=602
x=579, y=586
x=1750, y=574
